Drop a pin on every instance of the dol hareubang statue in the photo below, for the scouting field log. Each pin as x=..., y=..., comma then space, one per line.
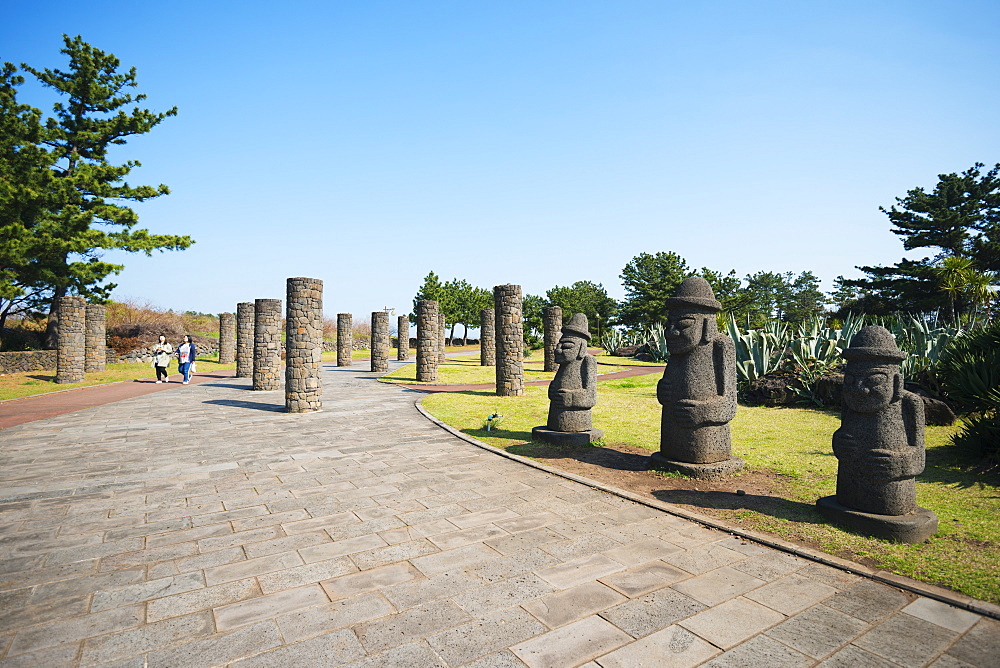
x=879, y=446
x=573, y=391
x=698, y=388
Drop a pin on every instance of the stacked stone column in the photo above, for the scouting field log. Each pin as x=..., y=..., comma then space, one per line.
x=227, y=338
x=510, y=340
x=303, y=345
x=380, y=341
x=552, y=327
x=71, y=360
x=442, y=334
x=345, y=339
x=487, y=338
x=427, y=336
x=244, y=339
x=403, y=342
x=267, y=344
x=97, y=340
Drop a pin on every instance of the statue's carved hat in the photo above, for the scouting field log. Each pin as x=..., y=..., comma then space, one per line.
x=874, y=343
x=694, y=291
x=577, y=326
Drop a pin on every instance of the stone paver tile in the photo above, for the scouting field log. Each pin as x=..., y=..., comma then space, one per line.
x=562, y=607
x=672, y=647
x=477, y=534
x=439, y=586
x=258, y=609
x=61, y=656
x=792, y=593
x=194, y=533
x=163, y=553
x=210, y=560
x=651, y=612
x=332, y=649
x=761, y=651
x=830, y=576
x=439, y=513
x=458, y=558
x=54, y=591
x=147, y=591
x=320, y=523
x=868, y=601
x=270, y=520
x=285, y=544
x=37, y=576
x=644, y=579
x=502, y=659
x=240, y=538
x=704, y=558
x=311, y=622
x=460, y=645
x=346, y=586
x=411, y=654
x=946, y=661
x=410, y=625
x=642, y=551
x=571, y=645
x=690, y=536
x=582, y=546
x=74, y=629
x=769, y=566
x=855, y=657
x=906, y=640
x=15, y=615
x=482, y=517
x=504, y=594
x=524, y=541
x=386, y=555
x=732, y=622
x=980, y=645
x=248, y=568
x=219, y=649
x=202, y=599
x=529, y=522
x=94, y=551
x=518, y=563
x=717, y=586
x=146, y=638
x=818, y=631
x=227, y=515
x=942, y=614
x=367, y=491
x=395, y=536
x=578, y=571
x=432, y=528
x=308, y=574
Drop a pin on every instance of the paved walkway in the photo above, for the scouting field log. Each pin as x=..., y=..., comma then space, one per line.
x=203, y=526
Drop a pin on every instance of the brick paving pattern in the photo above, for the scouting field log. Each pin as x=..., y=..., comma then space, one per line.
x=364, y=535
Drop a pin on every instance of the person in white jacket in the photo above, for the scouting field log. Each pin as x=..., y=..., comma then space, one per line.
x=161, y=359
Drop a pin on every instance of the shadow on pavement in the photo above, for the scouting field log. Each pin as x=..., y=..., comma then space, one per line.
x=255, y=405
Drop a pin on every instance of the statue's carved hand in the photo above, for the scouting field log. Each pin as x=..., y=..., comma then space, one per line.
x=663, y=390
x=690, y=412
x=844, y=445
x=889, y=463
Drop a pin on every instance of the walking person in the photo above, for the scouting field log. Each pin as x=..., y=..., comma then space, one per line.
x=161, y=359
x=185, y=358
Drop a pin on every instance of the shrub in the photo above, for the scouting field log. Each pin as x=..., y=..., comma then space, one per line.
x=969, y=367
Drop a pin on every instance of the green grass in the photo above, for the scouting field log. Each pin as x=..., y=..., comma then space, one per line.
x=792, y=446
x=466, y=370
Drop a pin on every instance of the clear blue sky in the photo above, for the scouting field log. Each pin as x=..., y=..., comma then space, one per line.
x=366, y=143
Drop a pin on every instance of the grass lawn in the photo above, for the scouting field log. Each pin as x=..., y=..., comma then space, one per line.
x=467, y=371
x=26, y=384
x=790, y=448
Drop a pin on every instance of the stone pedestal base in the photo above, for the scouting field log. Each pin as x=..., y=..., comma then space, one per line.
x=574, y=438
x=913, y=528
x=726, y=467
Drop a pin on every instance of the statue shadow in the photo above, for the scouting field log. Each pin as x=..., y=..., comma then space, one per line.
x=949, y=466
x=607, y=458
x=231, y=386
x=253, y=405
x=773, y=506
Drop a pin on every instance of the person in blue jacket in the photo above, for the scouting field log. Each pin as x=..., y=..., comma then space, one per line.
x=185, y=357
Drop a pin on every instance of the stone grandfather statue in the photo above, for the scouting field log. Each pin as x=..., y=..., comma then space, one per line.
x=573, y=391
x=879, y=446
x=698, y=388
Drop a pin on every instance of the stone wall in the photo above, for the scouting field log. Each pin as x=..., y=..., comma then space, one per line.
x=487, y=338
x=510, y=340
x=72, y=358
x=345, y=339
x=244, y=339
x=227, y=338
x=380, y=342
x=267, y=344
x=427, y=335
x=403, y=338
x=552, y=323
x=29, y=360
x=303, y=345
x=96, y=338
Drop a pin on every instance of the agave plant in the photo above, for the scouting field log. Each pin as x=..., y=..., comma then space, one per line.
x=758, y=351
x=656, y=342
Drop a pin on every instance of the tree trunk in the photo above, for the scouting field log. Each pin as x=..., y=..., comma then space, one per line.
x=52, y=327
x=465, y=334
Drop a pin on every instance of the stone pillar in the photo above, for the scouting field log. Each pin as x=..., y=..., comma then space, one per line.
x=227, y=338
x=244, y=339
x=345, y=339
x=442, y=334
x=97, y=339
x=427, y=334
x=510, y=340
x=267, y=344
x=380, y=341
x=487, y=338
x=72, y=355
x=403, y=347
x=303, y=345
x=552, y=319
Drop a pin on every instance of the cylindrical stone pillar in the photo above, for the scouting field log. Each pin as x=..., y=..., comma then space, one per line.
x=403, y=339
x=442, y=336
x=303, y=345
x=380, y=341
x=510, y=340
x=97, y=339
x=427, y=336
x=345, y=339
x=552, y=319
x=487, y=338
x=227, y=338
x=267, y=344
x=244, y=339
x=71, y=358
